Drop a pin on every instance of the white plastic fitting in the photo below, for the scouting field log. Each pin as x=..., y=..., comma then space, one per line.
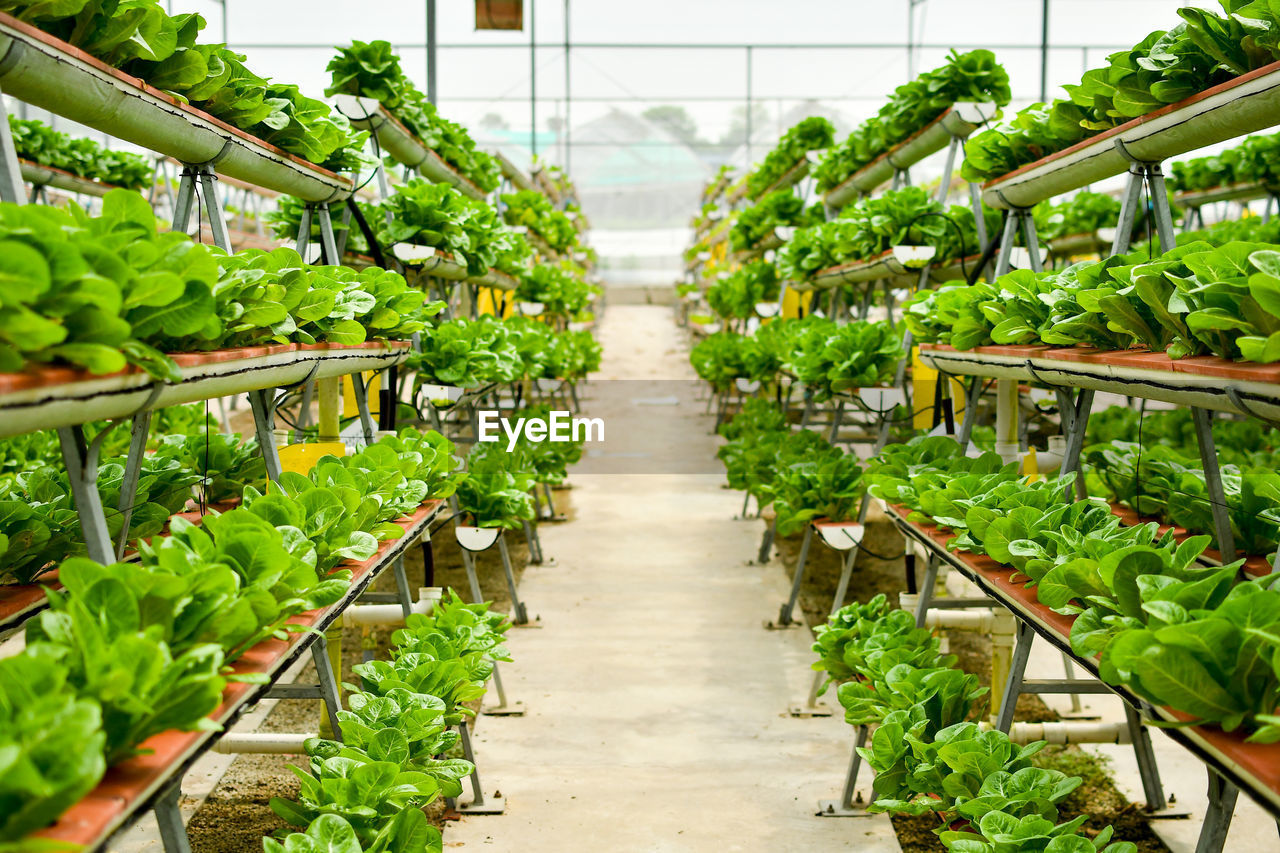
x=260, y=743
x=1071, y=731
x=391, y=614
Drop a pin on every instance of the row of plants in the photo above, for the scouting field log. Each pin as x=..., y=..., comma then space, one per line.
x=422, y=213
x=1166, y=67
x=867, y=229
x=734, y=296
x=1190, y=637
x=811, y=134
x=971, y=76
x=466, y=353
x=802, y=475
x=1255, y=160
x=780, y=208
x=372, y=70
x=39, y=525
x=827, y=357
x=928, y=753
x=103, y=292
x=561, y=289
x=142, y=39
x=137, y=648
x=1196, y=299
x=38, y=143
x=367, y=792
x=532, y=210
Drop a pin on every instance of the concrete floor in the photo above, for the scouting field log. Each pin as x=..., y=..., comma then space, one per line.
x=657, y=701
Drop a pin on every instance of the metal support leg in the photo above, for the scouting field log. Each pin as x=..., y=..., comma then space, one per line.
x=1217, y=818
x=789, y=606
x=1017, y=670
x=534, y=541
x=1203, y=420
x=213, y=207
x=173, y=833
x=925, y=588
x=328, y=683
x=262, y=402
x=132, y=468
x=1152, y=788
x=1004, y=261
x=1078, y=424
x=478, y=804
x=766, y=542
x=402, y=586
x=944, y=188
x=1032, y=240
x=361, y=392
x=186, y=199
x=81, y=460
x=1129, y=202
x=971, y=397
x=517, y=606
x=1160, y=207
x=846, y=807
x=328, y=245
x=10, y=172
x=836, y=417
x=304, y=232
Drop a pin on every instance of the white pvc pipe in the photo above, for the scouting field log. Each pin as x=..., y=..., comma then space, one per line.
x=391, y=614
x=1007, y=419
x=1071, y=731
x=259, y=743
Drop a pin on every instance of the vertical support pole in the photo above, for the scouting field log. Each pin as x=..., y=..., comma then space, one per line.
x=361, y=392
x=173, y=834
x=532, y=539
x=750, y=129
x=945, y=186
x=521, y=615
x=1203, y=421
x=431, y=52
x=1032, y=240
x=132, y=468
x=836, y=417
x=845, y=806
x=971, y=397
x=304, y=232
x=1005, y=258
x=925, y=589
x=213, y=207
x=789, y=606
x=186, y=199
x=10, y=172
x=766, y=542
x=568, y=97
x=328, y=245
x=1017, y=671
x=1217, y=818
x=328, y=684
x=329, y=400
x=264, y=417
x=533, y=81
x=402, y=586
x=1128, y=209
x=1149, y=772
x=81, y=460
x=1160, y=207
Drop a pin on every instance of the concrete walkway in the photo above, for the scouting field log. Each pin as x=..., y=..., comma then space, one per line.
x=657, y=701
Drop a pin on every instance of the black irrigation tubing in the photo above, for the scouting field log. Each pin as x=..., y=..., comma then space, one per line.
x=950, y=221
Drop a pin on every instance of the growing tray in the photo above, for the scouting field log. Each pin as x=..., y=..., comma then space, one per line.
x=1205, y=382
x=1229, y=192
x=894, y=263
x=132, y=787
x=789, y=178
x=396, y=139
x=958, y=121
x=47, y=176
x=769, y=241
x=48, y=73
x=1255, y=768
x=52, y=397
x=513, y=173
x=1249, y=103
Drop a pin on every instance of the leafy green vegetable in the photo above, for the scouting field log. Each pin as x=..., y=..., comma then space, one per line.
x=778, y=208
x=437, y=215
x=971, y=76
x=810, y=134
x=533, y=210
x=1001, y=832
x=372, y=70
x=737, y=294
x=51, y=745
x=496, y=490
x=37, y=142
x=138, y=37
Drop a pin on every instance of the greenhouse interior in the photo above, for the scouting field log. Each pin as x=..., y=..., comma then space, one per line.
x=566, y=425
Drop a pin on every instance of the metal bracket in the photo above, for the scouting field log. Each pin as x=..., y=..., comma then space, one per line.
x=173, y=833
x=503, y=708
x=521, y=615
x=479, y=804
x=10, y=172
x=1203, y=420
x=1142, y=173
x=81, y=460
x=327, y=689
x=1217, y=817
x=263, y=403
x=847, y=806
x=785, y=613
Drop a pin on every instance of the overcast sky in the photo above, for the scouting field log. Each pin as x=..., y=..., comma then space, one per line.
x=483, y=72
